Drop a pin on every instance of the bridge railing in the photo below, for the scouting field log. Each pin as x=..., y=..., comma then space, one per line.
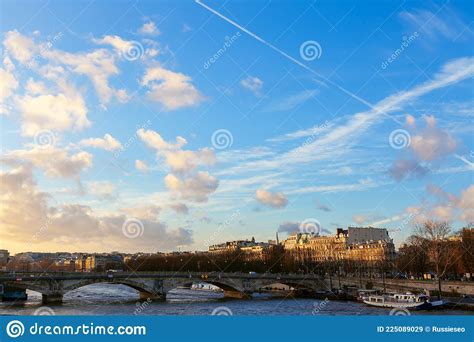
x=25, y=276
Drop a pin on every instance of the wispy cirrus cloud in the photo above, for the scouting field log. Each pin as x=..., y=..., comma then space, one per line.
x=340, y=139
x=439, y=22
x=292, y=101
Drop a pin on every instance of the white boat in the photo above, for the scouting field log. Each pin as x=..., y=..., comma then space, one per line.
x=402, y=300
x=205, y=287
x=362, y=294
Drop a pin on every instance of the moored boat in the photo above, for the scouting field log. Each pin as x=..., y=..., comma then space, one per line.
x=406, y=300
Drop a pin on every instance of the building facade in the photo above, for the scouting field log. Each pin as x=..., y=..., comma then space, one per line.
x=250, y=248
x=101, y=263
x=4, y=257
x=369, y=245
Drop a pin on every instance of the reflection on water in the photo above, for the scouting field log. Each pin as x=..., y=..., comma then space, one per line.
x=108, y=299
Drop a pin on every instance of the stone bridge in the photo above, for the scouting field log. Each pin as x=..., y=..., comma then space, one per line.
x=53, y=286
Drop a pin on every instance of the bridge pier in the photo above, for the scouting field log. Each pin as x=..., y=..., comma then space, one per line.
x=52, y=298
x=237, y=294
x=144, y=295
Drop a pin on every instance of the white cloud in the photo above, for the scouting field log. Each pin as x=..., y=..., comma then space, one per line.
x=30, y=223
x=359, y=218
x=410, y=120
x=443, y=212
x=154, y=140
x=173, y=90
x=196, y=188
x=24, y=208
x=129, y=50
x=402, y=168
x=8, y=83
x=55, y=162
x=184, y=179
x=103, y=189
x=252, y=83
x=99, y=65
x=466, y=204
x=52, y=72
x=289, y=227
x=447, y=207
x=180, y=161
x=271, y=199
x=180, y=208
x=427, y=145
x=119, y=44
x=141, y=166
x=149, y=212
x=323, y=207
x=57, y=112
x=188, y=161
x=432, y=143
x=19, y=46
x=35, y=87
x=150, y=28
x=107, y=143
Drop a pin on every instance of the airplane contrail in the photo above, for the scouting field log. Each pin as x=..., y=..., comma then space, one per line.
x=284, y=54
x=465, y=160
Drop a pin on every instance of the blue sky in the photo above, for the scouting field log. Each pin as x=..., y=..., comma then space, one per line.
x=153, y=125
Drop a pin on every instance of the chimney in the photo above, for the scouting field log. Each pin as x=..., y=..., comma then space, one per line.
x=278, y=241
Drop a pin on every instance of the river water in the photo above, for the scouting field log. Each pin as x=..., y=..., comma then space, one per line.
x=111, y=299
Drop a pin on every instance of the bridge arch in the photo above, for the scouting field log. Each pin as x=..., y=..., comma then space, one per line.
x=225, y=285
x=295, y=284
x=132, y=284
x=54, y=291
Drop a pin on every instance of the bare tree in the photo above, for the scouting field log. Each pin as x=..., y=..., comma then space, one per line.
x=435, y=234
